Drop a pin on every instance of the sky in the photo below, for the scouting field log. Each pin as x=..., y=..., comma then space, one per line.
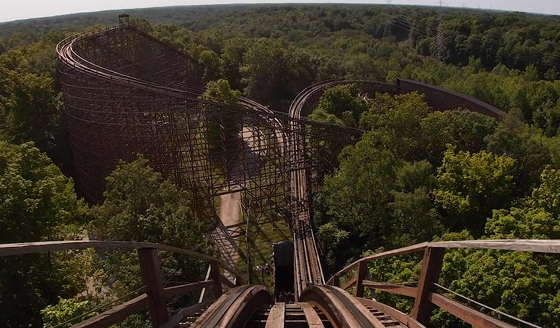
x=22, y=9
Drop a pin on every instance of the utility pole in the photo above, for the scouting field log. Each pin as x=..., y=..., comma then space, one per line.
x=440, y=47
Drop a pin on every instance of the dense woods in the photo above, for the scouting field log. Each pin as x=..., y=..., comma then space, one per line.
x=416, y=175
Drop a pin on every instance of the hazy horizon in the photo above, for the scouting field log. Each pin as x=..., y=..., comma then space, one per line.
x=30, y=9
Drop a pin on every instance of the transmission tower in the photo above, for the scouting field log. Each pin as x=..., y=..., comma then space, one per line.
x=440, y=47
x=387, y=29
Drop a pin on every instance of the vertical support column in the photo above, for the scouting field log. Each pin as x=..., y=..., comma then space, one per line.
x=216, y=276
x=336, y=280
x=431, y=268
x=360, y=276
x=151, y=275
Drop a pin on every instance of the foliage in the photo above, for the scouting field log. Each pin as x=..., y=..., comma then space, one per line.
x=36, y=203
x=341, y=105
x=470, y=186
x=66, y=309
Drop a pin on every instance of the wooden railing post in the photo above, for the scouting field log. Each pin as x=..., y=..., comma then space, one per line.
x=151, y=275
x=431, y=268
x=216, y=276
x=336, y=280
x=360, y=276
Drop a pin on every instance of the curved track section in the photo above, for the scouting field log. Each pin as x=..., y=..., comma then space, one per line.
x=307, y=264
x=127, y=93
x=233, y=308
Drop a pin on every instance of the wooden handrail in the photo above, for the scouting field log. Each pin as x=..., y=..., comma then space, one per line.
x=155, y=295
x=116, y=314
x=51, y=246
x=391, y=253
x=524, y=245
x=424, y=295
x=527, y=245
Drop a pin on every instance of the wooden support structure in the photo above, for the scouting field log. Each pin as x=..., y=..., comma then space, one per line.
x=335, y=281
x=349, y=283
x=216, y=276
x=360, y=276
x=187, y=288
x=151, y=275
x=431, y=268
x=390, y=288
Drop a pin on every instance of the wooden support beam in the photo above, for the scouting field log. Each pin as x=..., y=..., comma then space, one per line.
x=431, y=268
x=181, y=314
x=216, y=276
x=183, y=289
x=390, y=288
x=225, y=281
x=151, y=275
x=336, y=280
x=463, y=312
x=116, y=314
x=349, y=283
x=360, y=276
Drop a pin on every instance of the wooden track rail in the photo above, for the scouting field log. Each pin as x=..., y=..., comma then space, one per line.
x=155, y=295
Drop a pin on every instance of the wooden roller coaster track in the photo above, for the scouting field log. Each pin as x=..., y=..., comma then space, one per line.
x=124, y=91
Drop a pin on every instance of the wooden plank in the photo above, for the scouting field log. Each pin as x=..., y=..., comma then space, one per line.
x=116, y=314
x=225, y=281
x=181, y=314
x=429, y=274
x=466, y=313
x=526, y=245
x=311, y=315
x=187, y=288
x=276, y=316
x=349, y=283
x=151, y=275
x=398, y=315
x=203, y=292
x=360, y=276
x=216, y=276
x=390, y=288
x=334, y=281
x=394, y=252
x=51, y=246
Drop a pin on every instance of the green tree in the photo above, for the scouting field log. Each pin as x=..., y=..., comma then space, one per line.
x=142, y=206
x=29, y=108
x=471, y=185
x=36, y=203
x=340, y=104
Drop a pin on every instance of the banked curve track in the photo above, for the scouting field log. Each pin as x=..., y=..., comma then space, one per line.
x=318, y=304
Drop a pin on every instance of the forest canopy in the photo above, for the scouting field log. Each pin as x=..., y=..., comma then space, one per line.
x=415, y=175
